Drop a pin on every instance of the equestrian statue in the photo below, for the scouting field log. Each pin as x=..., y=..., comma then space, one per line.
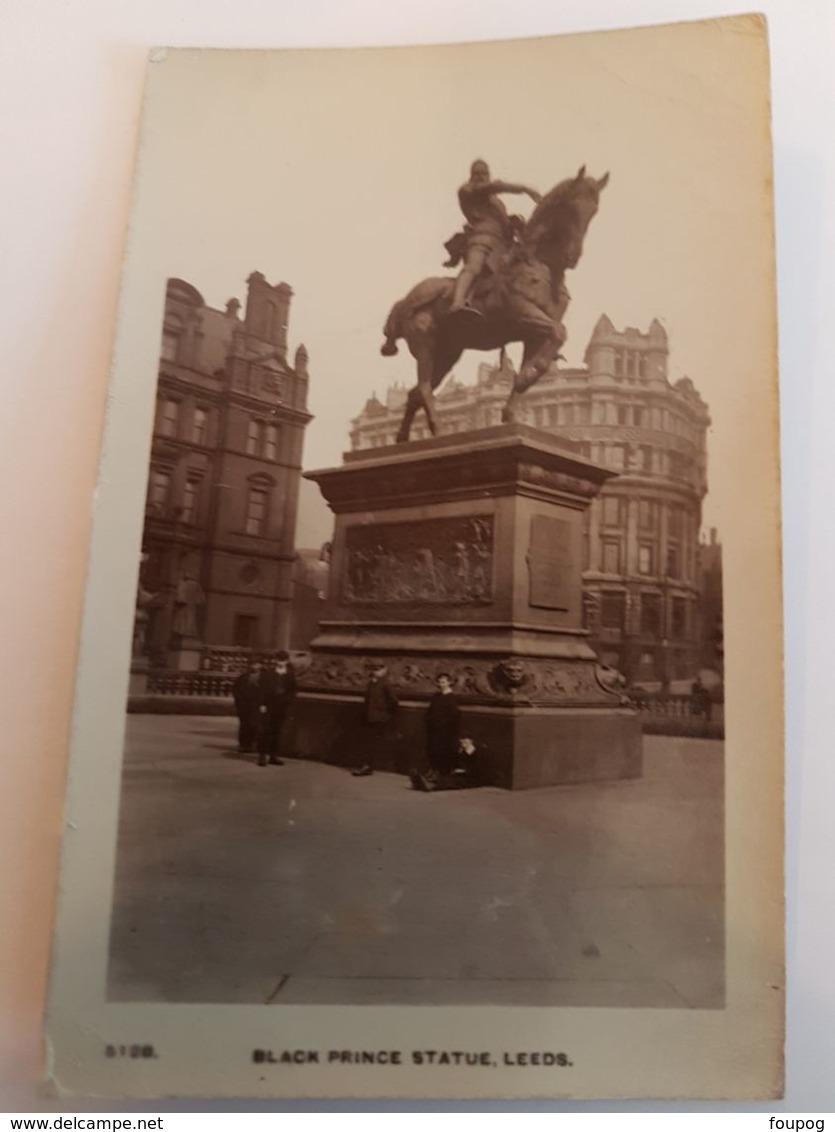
x=510, y=289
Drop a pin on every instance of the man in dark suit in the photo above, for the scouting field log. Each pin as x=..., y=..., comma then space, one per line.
x=379, y=707
x=278, y=690
x=246, y=692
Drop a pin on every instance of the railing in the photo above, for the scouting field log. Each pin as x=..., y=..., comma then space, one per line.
x=216, y=675
x=675, y=705
x=190, y=683
x=228, y=659
x=680, y=714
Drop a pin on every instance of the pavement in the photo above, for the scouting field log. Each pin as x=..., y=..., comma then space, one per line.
x=301, y=884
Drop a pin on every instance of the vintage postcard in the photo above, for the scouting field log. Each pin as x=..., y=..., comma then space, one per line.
x=428, y=730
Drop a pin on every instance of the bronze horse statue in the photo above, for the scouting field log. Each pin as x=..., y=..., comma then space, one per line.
x=523, y=302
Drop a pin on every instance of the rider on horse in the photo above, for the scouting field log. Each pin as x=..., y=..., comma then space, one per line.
x=488, y=234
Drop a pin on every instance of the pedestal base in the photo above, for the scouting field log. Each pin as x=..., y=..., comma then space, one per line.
x=523, y=747
x=463, y=556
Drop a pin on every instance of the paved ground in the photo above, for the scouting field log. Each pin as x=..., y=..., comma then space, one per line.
x=302, y=884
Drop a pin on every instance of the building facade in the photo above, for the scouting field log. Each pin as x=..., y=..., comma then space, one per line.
x=225, y=465
x=641, y=567
x=713, y=628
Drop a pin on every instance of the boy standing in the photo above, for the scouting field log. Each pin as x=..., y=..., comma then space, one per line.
x=379, y=707
x=278, y=690
x=443, y=727
x=246, y=692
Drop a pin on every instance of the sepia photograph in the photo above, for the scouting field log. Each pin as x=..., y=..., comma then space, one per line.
x=441, y=441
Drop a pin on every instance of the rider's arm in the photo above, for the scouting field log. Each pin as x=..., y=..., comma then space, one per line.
x=509, y=187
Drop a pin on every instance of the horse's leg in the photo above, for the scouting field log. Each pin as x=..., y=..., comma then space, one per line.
x=544, y=354
x=446, y=356
x=420, y=335
x=413, y=403
x=426, y=370
x=543, y=337
x=511, y=406
x=539, y=355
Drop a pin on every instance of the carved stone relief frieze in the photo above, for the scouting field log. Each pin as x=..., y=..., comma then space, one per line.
x=509, y=681
x=432, y=562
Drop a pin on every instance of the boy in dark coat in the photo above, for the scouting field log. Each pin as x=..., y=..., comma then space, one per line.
x=443, y=727
x=246, y=692
x=379, y=707
x=278, y=690
x=468, y=769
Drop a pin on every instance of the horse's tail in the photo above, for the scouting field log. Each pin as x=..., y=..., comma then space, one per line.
x=421, y=296
x=392, y=330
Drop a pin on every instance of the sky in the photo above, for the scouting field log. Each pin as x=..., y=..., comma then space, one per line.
x=336, y=171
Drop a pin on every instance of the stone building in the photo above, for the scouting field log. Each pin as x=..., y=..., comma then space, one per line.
x=641, y=576
x=225, y=464
x=710, y=574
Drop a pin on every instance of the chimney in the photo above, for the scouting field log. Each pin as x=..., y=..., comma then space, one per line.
x=268, y=311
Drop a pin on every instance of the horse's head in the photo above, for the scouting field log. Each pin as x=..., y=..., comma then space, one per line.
x=558, y=224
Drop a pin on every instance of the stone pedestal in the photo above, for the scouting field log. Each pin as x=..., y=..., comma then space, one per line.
x=187, y=656
x=463, y=554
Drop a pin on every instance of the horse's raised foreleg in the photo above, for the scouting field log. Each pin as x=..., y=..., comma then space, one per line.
x=544, y=338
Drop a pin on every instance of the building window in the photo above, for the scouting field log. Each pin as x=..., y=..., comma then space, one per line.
x=623, y=414
x=170, y=343
x=617, y=456
x=642, y=365
x=645, y=559
x=618, y=363
x=647, y=514
x=253, y=438
x=271, y=442
x=245, y=631
x=612, y=610
x=676, y=521
x=638, y=416
x=651, y=615
x=678, y=619
x=646, y=457
x=612, y=511
x=611, y=556
x=158, y=485
x=190, y=492
x=630, y=364
x=583, y=414
x=198, y=426
x=256, y=510
x=678, y=465
x=169, y=417
x=673, y=562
